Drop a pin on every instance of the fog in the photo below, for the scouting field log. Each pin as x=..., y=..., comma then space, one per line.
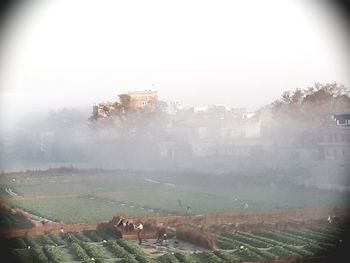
x=211, y=131
x=64, y=54
x=284, y=140
x=219, y=70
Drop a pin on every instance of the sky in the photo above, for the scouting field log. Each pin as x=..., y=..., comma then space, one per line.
x=64, y=53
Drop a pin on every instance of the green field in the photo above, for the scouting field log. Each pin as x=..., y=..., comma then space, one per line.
x=96, y=196
x=232, y=247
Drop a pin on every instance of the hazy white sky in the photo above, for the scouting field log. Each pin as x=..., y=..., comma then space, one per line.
x=66, y=53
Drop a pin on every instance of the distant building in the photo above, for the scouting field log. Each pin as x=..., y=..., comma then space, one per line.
x=139, y=99
x=174, y=106
x=335, y=140
x=238, y=148
x=197, y=109
x=131, y=101
x=342, y=120
x=248, y=115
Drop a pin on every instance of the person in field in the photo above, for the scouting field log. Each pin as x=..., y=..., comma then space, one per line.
x=160, y=235
x=139, y=231
x=131, y=226
x=120, y=223
x=126, y=226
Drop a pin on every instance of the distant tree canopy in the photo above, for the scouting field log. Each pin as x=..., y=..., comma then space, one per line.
x=313, y=103
x=304, y=111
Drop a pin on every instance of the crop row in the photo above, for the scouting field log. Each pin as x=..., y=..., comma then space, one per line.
x=120, y=252
x=135, y=250
x=267, y=245
x=80, y=253
x=94, y=252
x=248, y=240
x=54, y=254
x=309, y=236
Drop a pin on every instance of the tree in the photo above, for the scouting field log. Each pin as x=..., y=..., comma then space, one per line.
x=306, y=111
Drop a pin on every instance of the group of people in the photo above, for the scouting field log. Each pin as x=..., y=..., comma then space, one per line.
x=126, y=226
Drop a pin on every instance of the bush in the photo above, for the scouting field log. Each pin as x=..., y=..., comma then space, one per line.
x=195, y=236
x=184, y=258
x=282, y=238
x=57, y=240
x=207, y=257
x=248, y=240
x=226, y=243
x=82, y=237
x=45, y=240
x=120, y=252
x=54, y=254
x=247, y=255
x=93, y=236
x=21, y=255
x=17, y=242
x=282, y=252
x=94, y=251
x=168, y=258
x=227, y=257
x=79, y=253
x=141, y=256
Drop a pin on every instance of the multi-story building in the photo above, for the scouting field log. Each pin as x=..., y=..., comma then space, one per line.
x=133, y=100
x=335, y=140
x=139, y=99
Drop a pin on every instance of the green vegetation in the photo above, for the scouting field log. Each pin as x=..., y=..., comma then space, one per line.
x=120, y=252
x=80, y=253
x=280, y=244
x=135, y=250
x=168, y=258
x=232, y=247
x=13, y=220
x=226, y=256
x=54, y=254
x=74, y=196
x=184, y=257
x=94, y=252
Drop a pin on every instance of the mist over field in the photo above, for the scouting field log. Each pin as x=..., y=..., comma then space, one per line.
x=285, y=139
x=187, y=131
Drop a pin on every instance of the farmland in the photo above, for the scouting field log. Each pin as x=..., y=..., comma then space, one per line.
x=90, y=196
x=11, y=219
x=95, y=246
x=244, y=220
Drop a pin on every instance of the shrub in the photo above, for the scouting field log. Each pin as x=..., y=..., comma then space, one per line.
x=45, y=240
x=94, y=251
x=282, y=238
x=226, y=243
x=93, y=236
x=282, y=252
x=141, y=256
x=248, y=240
x=227, y=257
x=196, y=236
x=54, y=254
x=17, y=242
x=120, y=252
x=79, y=253
x=184, y=258
x=207, y=257
x=82, y=237
x=57, y=240
x=21, y=255
x=168, y=258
